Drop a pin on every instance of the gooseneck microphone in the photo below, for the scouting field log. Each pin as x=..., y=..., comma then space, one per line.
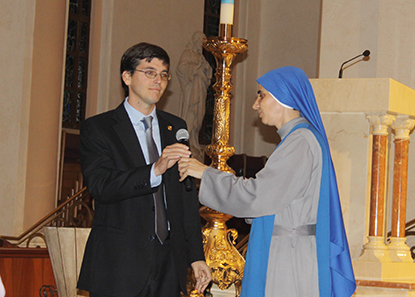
x=182, y=136
x=366, y=53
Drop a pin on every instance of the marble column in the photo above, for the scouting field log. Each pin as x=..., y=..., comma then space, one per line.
x=398, y=249
x=375, y=249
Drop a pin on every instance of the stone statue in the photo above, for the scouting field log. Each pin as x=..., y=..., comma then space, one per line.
x=194, y=74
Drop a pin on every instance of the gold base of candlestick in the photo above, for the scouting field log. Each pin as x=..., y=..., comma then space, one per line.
x=226, y=263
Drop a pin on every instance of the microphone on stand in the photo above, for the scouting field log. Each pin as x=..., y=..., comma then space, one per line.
x=182, y=136
x=366, y=53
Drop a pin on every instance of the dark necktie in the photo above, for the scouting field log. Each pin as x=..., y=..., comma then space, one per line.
x=160, y=209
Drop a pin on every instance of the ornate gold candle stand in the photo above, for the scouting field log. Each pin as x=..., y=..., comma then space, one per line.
x=223, y=258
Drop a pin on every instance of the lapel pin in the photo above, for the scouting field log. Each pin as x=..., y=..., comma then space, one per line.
x=169, y=128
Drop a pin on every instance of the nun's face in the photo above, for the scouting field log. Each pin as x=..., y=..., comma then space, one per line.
x=269, y=110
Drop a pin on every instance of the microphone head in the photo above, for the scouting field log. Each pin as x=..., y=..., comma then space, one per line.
x=182, y=135
x=366, y=53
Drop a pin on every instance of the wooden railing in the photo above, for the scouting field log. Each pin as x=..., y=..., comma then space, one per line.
x=77, y=211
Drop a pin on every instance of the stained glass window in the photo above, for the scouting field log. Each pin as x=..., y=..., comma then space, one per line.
x=73, y=6
x=67, y=117
x=86, y=7
x=76, y=67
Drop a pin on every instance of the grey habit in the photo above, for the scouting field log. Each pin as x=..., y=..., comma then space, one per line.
x=289, y=187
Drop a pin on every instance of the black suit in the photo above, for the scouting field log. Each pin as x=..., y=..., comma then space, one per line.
x=119, y=249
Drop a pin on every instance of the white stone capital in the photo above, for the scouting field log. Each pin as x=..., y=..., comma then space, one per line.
x=380, y=122
x=402, y=127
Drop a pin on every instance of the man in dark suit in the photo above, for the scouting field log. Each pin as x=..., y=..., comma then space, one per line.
x=130, y=253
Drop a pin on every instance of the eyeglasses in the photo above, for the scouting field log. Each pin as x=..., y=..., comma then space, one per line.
x=153, y=74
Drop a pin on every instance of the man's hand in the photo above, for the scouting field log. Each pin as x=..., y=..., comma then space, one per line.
x=203, y=275
x=169, y=156
x=192, y=167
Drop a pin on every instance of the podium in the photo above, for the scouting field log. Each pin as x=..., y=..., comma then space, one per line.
x=368, y=123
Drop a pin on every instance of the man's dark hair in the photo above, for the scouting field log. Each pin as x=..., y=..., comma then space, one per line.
x=141, y=51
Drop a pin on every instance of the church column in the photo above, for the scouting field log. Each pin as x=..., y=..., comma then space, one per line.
x=375, y=249
x=398, y=249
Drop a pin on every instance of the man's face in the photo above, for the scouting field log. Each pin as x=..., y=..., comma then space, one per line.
x=269, y=110
x=145, y=92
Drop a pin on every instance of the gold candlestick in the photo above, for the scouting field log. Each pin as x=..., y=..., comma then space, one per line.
x=226, y=263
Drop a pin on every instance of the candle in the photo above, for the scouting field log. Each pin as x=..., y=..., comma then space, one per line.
x=226, y=12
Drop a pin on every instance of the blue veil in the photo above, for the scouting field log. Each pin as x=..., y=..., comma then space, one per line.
x=291, y=86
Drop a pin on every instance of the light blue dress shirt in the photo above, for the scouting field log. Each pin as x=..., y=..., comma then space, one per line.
x=136, y=119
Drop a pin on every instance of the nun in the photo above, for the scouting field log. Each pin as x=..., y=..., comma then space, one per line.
x=297, y=244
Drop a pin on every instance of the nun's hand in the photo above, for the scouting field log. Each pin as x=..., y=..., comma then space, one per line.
x=191, y=167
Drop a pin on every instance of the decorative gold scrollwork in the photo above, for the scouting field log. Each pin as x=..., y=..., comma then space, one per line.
x=226, y=263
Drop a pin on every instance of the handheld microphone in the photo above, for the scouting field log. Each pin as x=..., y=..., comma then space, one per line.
x=366, y=53
x=182, y=136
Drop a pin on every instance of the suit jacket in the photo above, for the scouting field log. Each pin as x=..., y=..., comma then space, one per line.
x=119, y=248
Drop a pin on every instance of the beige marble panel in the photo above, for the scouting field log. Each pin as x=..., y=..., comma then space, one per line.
x=364, y=95
x=348, y=135
x=402, y=98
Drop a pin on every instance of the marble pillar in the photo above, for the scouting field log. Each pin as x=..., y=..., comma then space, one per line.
x=398, y=249
x=375, y=249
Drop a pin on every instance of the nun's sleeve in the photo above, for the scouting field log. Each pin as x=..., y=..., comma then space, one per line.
x=285, y=177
